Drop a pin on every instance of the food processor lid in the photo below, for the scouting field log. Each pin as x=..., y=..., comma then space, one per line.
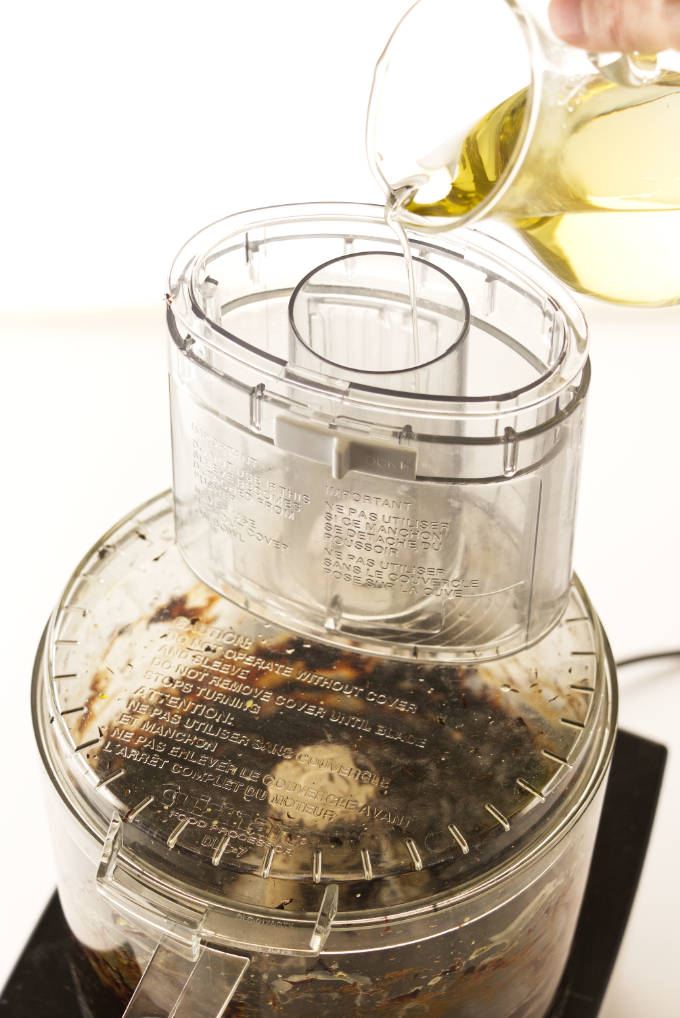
x=245, y=783
x=344, y=475
x=334, y=332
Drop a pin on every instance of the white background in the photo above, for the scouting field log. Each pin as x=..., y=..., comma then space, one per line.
x=125, y=128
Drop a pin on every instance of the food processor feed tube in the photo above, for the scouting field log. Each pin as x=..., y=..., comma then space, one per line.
x=326, y=479
x=335, y=735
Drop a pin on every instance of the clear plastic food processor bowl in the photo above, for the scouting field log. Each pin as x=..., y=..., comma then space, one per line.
x=414, y=497
x=243, y=814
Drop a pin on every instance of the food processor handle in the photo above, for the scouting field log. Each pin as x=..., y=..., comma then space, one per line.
x=176, y=985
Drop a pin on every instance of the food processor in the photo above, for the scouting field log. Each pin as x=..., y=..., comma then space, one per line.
x=328, y=726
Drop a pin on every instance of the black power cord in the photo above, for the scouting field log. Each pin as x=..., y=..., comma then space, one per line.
x=658, y=656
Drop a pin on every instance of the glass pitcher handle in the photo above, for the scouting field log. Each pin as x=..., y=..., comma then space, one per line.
x=627, y=69
x=175, y=985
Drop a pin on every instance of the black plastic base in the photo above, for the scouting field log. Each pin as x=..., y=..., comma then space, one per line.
x=53, y=979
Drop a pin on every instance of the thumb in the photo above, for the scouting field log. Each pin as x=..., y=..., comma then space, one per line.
x=646, y=26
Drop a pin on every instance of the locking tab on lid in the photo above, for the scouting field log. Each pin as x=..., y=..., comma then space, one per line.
x=344, y=452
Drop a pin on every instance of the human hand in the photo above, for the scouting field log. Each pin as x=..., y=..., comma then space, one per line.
x=645, y=26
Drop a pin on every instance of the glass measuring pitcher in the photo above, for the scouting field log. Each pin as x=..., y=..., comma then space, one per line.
x=478, y=110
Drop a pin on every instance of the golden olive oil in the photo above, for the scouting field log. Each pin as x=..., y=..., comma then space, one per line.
x=597, y=197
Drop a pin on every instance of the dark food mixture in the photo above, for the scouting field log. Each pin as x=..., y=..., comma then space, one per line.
x=247, y=744
x=312, y=748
